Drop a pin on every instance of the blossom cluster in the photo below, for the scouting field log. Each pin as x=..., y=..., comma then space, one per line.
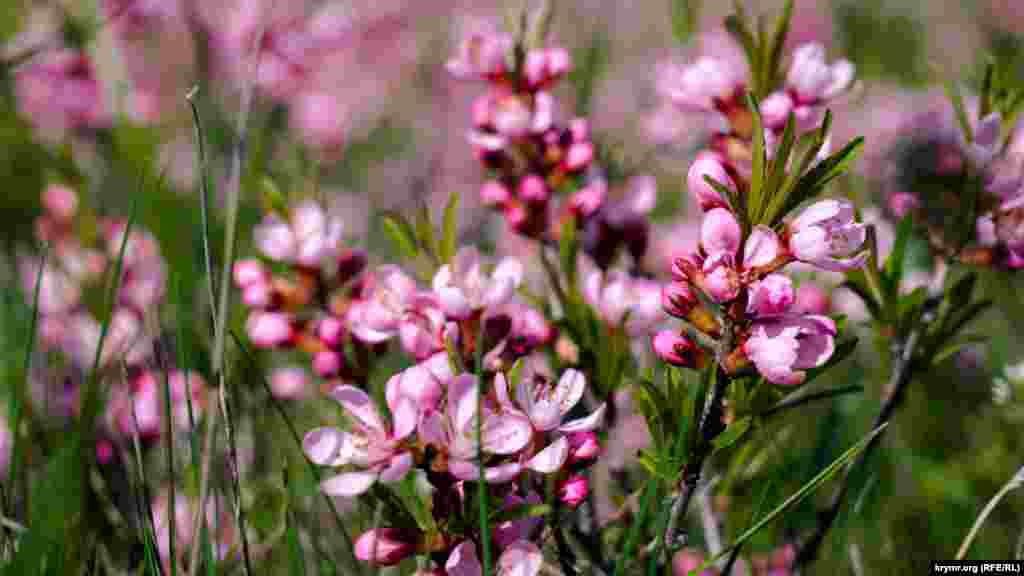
x=533, y=158
x=69, y=280
x=312, y=293
x=737, y=266
x=453, y=431
x=58, y=92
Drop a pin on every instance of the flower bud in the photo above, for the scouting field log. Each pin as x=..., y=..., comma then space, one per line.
x=574, y=491
x=589, y=199
x=257, y=295
x=771, y=296
x=579, y=129
x=327, y=363
x=269, y=329
x=775, y=109
x=248, y=272
x=720, y=232
x=288, y=383
x=383, y=547
x=674, y=348
x=708, y=164
x=533, y=189
x=494, y=193
x=61, y=202
x=579, y=156
x=677, y=299
x=583, y=447
x=331, y=330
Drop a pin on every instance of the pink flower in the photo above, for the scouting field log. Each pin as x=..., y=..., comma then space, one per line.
x=321, y=120
x=521, y=558
x=307, y=239
x=900, y=203
x=546, y=403
x=783, y=348
x=61, y=202
x=614, y=295
x=720, y=232
x=482, y=51
x=701, y=86
x=379, y=316
x=672, y=347
x=532, y=188
x=812, y=80
x=775, y=110
x=811, y=299
x=721, y=279
x=574, y=490
x=583, y=447
x=249, y=272
x=383, y=547
x=59, y=91
x=826, y=235
x=495, y=194
x=578, y=156
x=420, y=383
x=710, y=164
x=677, y=299
x=373, y=447
x=464, y=288
x=269, y=329
x=544, y=66
x=770, y=296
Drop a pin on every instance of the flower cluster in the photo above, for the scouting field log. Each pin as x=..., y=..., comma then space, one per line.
x=532, y=157
x=58, y=91
x=71, y=279
x=323, y=301
x=446, y=426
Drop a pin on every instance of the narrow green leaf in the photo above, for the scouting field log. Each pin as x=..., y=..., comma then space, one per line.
x=685, y=18
x=778, y=41
x=521, y=512
x=774, y=192
x=893, y=271
x=737, y=26
x=755, y=202
x=592, y=62
x=985, y=105
x=449, y=227
x=424, y=227
x=646, y=498
x=732, y=434
x=732, y=198
x=801, y=494
x=401, y=233
x=956, y=99
x=568, y=248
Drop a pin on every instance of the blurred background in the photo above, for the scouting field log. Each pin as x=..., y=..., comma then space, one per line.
x=379, y=125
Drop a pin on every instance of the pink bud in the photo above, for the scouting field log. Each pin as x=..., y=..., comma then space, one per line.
x=248, y=272
x=516, y=216
x=902, y=202
x=589, y=199
x=771, y=296
x=383, y=547
x=258, y=295
x=494, y=193
x=321, y=120
x=533, y=189
x=579, y=156
x=104, y=451
x=512, y=116
x=720, y=232
x=677, y=299
x=579, y=129
x=269, y=329
x=583, y=447
x=535, y=67
x=674, y=348
x=558, y=61
x=574, y=491
x=775, y=109
x=721, y=280
x=288, y=383
x=61, y=202
x=708, y=164
x=327, y=363
x=811, y=299
x=330, y=331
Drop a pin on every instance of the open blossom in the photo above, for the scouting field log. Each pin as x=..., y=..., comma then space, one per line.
x=379, y=315
x=307, y=238
x=771, y=296
x=826, y=235
x=376, y=449
x=482, y=52
x=502, y=432
x=811, y=79
x=703, y=85
x=617, y=296
x=784, y=348
x=464, y=288
x=383, y=546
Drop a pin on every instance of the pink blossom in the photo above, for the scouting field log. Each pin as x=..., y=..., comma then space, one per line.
x=420, y=383
x=269, y=329
x=321, y=120
x=307, y=239
x=327, y=363
x=578, y=156
x=783, y=348
x=373, y=447
x=583, y=447
x=383, y=547
x=495, y=194
x=544, y=66
x=811, y=299
x=617, y=296
x=720, y=232
x=502, y=432
x=710, y=164
x=672, y=347
x=589, y=199
x=702, y=85
x=812, y=80
x=61, y=202
x=721, y=279
x=826, y=235
x=770, y=296
x=482, y=52
x=574, y=490
x=546, y=403
x=520, y=558
x=248, y=272
x=775, y=110
x=464, y=288
x=188, y=398
x=900, y=203
x=379, y=316
x=59, y=91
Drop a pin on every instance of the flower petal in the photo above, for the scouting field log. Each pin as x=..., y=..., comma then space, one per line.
x=397, y=468
x=405, y=415
x=325, y=446
x=587, y=423
x=348, y=484
x=359, y=406
x=521, y=558
x=569, y=390
x=505, y=432
x=551, y=458
x=463, y=561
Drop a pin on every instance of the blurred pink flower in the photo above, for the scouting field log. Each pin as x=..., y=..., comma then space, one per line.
x=784, y=348
x=826, y=235
x=464, y=288
x=58, y=91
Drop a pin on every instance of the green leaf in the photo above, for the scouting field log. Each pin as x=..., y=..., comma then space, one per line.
x=958, y=344
x=778, y=41
x=424, y=228
x=738, y=26
x=801, y=494
x=732, y=434
x=296, y=559
x=733, y=198
x=520, y=512
x=591, y=64
x=568, y=247
x=755, y=203
x=774, y=191
x=450, y=225
x=685, y=18
x=894, y=263
x=401, y=233
x=956, y=99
